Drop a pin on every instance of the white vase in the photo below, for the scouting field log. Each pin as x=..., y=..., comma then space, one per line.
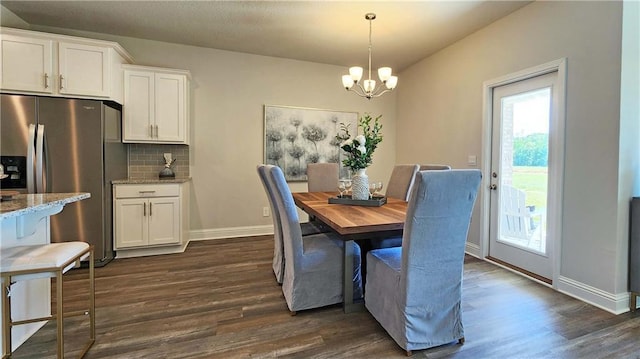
x=360, y=185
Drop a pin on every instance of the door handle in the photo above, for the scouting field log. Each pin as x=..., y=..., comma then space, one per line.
x=31, y=160
x=493, y=187
x=40, y=160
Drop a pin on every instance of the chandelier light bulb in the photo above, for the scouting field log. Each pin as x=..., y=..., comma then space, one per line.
x=368, y=88
x=356, y=73
x=384, y=73
x=369, y=85
x=392, y=82
x=347, y=81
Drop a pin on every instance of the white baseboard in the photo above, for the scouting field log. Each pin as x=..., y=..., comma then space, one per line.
x=613, y=303
x=472, y=249
x=219, y=233
x=151, y=251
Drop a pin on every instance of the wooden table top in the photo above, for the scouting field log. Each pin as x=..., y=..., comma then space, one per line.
x=354, y=221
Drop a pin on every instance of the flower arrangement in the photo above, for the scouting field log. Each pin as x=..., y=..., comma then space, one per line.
x=359, y=150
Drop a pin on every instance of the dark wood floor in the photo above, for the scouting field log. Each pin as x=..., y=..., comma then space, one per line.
x=219, y=299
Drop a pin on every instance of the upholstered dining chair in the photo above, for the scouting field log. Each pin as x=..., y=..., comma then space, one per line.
x=434, y=167
x=313, y=274
x=401, y=180
x=399, y=187
x=322, y=177
x=306, y=228
x=415, y=291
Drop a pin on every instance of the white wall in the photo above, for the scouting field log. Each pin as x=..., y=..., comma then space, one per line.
x=229, y=90
x=441, y=102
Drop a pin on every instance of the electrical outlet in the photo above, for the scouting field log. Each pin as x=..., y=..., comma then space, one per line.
x=265, y=211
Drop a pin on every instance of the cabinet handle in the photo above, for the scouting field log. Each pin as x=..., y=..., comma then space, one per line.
x=156, y=131
x=61, y=79
x=46, y=80
x=150, y=209
x=144, y=209
x=151, y=131
x=147, y=191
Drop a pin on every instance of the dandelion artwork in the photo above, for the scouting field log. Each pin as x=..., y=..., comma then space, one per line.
x=295, y=137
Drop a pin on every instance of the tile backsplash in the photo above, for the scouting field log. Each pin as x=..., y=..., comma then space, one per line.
x=147, y=160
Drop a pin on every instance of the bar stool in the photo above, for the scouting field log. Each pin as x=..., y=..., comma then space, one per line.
x=44, y=261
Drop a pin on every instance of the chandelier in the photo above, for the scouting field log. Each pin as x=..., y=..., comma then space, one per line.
x=369, y=89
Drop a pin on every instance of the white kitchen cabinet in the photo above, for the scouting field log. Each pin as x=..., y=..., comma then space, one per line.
x=156, y=105
x=27, y=64
x=149, y=215
x=57, y=65
x=84, y=70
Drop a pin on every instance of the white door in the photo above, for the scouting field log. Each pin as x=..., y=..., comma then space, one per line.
x=169, y=107
x=83, y=70
x=164, y=220
x=139, y=106
x=26, y=64
x=131, y=223
x=522, y=169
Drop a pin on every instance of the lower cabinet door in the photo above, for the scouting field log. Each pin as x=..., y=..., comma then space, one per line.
x=164, y=220
x=132, y=225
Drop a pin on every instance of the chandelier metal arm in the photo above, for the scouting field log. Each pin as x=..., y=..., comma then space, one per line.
x=359, y=90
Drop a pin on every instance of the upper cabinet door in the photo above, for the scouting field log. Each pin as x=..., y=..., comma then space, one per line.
x=170, y=107
x=139, y=94
x=156, y=105
x=83, y=70
x=26, y=64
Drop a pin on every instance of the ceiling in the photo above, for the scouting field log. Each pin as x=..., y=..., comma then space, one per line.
x=330, y=32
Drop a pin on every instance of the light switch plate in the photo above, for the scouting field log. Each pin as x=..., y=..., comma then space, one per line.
x=472, y=160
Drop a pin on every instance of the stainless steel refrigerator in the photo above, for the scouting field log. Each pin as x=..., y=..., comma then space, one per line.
x=66, y=145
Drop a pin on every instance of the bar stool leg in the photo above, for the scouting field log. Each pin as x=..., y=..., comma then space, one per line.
x=6, y=317
x=92, y=297
x=59, y=314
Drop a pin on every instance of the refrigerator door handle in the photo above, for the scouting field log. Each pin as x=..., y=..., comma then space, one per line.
x=40, y=160
x=30, y=159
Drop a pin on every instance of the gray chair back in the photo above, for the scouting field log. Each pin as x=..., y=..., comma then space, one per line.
x=435, y=236
x=400, y=182
x=434, y=167
x=289, y=220
x=278, y=255
x=314, y=270
x=322, y=177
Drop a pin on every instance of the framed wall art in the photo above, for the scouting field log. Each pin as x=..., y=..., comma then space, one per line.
x=296, y=136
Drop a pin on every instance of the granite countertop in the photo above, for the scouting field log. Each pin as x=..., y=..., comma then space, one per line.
x=28, y=203
x=151, y=180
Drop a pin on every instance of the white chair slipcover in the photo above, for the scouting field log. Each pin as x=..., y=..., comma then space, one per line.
x=415, y=291
x=313, y=274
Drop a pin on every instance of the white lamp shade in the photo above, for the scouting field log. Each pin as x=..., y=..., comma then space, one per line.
x=356, y=73
x=384, y=73
x=347, y=81
x=369, y=85
x=392, y=82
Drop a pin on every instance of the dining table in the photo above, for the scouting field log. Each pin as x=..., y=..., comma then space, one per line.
x=353, y=222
